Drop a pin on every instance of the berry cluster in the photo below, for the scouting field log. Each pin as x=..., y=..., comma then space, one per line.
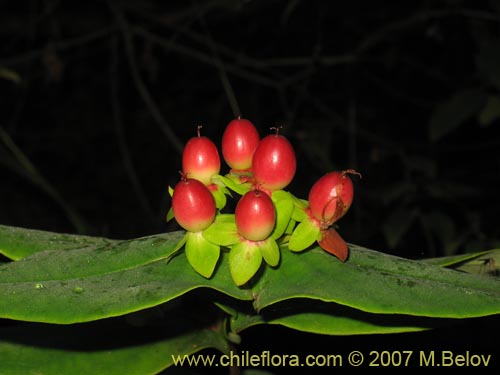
x=265, y=214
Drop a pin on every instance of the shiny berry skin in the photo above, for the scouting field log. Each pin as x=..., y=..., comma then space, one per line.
x=200, y=159
x=239, y=141
x=255, y=215
x=331, y=196
x=193, y=205
x=274, y=163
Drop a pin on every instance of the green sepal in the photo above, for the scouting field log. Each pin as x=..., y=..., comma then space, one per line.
x=279, y=195
x=283, y=204
x=270, y=252
x=304, y=235
x=222, y=231
x=170, y=214
x=219, y=193
x=201, y=254
x=298, y=214
x=299, y=208
x=291, y=226
x=245, y=259
x=179, y=245
x=300, y=203
x=220, y=183
x=233, y=182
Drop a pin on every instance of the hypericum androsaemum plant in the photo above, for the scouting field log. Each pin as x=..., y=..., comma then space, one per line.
x=277, y=259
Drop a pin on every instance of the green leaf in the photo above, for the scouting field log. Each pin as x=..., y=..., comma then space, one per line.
x=378, y=283
x=462, y=106
x=331, y=324
x=17, y=243
x=98, y=348
x=330, y=318
x=270, y=252
x=457, y=260
x=283, y=204
x=88, y=284
x=244, y=261
x=485, y=263
x=488, y=265
x=222, y=231
x=91, y=260
x=85, y=284
x=304, y=235
x=202, y=254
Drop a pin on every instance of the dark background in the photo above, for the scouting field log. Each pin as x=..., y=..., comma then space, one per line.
x=98, y=98
x=101, y=96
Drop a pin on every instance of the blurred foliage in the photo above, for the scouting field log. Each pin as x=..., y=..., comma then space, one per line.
x=98, y=98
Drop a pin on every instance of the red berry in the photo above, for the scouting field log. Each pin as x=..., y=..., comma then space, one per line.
x=255, y=215
x=274, y=163
x=239, y=141
x=331, y=197
x=193, y=205
x=200, y=159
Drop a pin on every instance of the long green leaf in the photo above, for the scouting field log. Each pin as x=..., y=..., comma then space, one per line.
x=331, y=324
x=331, y=319
x=17, y=243
x=92, y=260
x=71, y=297
x=90, y=283
x=378, y=283
x=460, y=260
x=97, y=348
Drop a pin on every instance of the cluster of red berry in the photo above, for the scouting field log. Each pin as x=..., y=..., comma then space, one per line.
x=265, y=216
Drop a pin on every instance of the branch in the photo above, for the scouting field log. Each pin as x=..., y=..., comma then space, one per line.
x=57, y=46
x=205, y=58
x=177, y=144
x=25, y=168
x=122, y=143
x=217, y=61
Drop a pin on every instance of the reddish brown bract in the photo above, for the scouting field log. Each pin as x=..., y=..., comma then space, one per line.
x=332, y=242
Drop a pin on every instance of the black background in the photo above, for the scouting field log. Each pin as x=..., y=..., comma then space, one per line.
x=86, y=146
